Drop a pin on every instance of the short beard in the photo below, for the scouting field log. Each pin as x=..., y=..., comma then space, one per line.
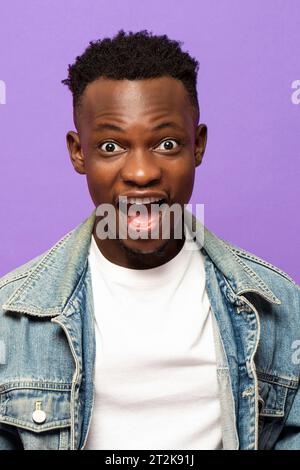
x=140, y=255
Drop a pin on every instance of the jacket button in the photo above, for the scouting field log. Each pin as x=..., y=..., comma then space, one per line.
x=39, y=415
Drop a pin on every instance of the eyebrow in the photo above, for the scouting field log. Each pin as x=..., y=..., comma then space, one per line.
x=113, y=127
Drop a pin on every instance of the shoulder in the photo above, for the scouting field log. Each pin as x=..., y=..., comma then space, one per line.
x=16, y=276
x=19, y=273
x=258, y=262
x=279, y=281
x=13, y=278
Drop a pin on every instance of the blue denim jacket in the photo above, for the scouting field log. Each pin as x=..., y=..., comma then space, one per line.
x=47, y=347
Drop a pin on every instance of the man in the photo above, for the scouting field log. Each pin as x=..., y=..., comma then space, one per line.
x=112, y=341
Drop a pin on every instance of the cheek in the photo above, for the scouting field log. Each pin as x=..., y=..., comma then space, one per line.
x=182, y=181
x=100, y=178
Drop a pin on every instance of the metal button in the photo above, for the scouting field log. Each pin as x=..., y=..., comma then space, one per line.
x=39, y=415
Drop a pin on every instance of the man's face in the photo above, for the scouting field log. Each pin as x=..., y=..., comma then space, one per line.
x=137, y=138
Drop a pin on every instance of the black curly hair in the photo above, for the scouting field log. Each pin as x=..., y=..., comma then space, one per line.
x=134, y=56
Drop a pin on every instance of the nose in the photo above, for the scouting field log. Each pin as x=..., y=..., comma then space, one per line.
x=141, y=169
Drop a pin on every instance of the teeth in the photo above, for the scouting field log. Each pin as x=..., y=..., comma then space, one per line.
x=138, y=200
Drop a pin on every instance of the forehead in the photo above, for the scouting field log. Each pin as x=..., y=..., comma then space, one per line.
x=135, y=100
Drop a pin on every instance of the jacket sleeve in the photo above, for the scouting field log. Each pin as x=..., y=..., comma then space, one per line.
x=289, y=438
x=9, y=438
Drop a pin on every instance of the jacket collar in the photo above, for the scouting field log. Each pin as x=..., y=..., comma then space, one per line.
x=50, y=284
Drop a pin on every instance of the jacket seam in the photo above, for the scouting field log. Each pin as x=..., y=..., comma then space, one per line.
x=252, y=257
x=270, y=266
x=70, y=300
x=39, y=267
x=282, y=381
x=249, y=271
x=15, y=278
x=48, y=387
x=55, y=424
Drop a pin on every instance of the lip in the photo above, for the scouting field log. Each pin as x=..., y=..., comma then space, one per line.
x=142, y=194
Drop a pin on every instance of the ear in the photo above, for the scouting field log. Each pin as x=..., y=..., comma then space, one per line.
x=75, y=151
x=200, y=143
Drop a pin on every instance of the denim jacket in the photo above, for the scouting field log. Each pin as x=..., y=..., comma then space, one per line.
x=47, y=347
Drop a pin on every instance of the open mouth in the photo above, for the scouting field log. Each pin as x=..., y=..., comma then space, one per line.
x=144, y=214
x=125, y=206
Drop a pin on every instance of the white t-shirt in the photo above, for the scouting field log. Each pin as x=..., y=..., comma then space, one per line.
x=155, y=371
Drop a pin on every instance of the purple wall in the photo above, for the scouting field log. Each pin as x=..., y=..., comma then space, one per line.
x=249, y=62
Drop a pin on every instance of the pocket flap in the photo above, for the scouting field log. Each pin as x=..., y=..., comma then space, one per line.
x=272, y=395
x=36, y=408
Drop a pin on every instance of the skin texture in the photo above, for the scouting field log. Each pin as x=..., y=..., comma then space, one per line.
x=140, y=158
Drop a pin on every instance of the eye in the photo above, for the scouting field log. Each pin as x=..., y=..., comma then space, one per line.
x=109, y=146
x=168, y=144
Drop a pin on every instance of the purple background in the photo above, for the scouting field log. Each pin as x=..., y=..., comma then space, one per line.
x=249, y=57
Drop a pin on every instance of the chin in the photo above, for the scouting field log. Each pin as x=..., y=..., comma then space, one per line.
x=136, y=248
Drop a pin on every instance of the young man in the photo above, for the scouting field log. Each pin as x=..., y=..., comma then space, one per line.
x=125, y=342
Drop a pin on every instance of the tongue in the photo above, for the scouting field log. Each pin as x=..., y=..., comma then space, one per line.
x=143, y=221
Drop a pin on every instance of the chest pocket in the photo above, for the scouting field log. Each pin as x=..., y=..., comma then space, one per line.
x=275, y=397
x=40, y=412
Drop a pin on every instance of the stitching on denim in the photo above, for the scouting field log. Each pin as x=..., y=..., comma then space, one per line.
x=64, y=439
x=3, y=404
x=42, y=264
x=261, y=261
x=7, y=281
x=249, y=271
x=268, y=265
x=23, y=274
x=284, y=381
x=37, y=428
x=32, y=385
x=51, y=311
x=276, y=412
x=70, y=301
